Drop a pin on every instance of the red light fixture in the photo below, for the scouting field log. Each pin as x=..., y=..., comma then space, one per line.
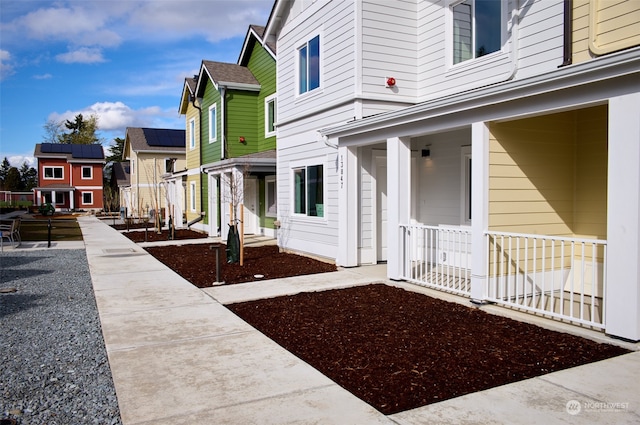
x=242, y=139
x=391, y=82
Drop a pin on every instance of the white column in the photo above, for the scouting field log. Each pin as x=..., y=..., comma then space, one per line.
x=347, y=207
x=622, y=302
x=72, y=199
x=479, y=208
x=398, y=202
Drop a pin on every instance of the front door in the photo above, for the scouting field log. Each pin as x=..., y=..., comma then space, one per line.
x=250, y=206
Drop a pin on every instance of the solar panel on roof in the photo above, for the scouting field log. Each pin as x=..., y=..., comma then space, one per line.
x=164, y=138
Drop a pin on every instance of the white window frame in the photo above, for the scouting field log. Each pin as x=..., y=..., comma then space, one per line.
x=450, y=36
x=320, y=61
x=312, y=162
x=192, y=133
x=267, y=122
x=168, y=166
x=213, y=123
x=192, y=196
x=465, y=185
x=53, y=174
x=270, y=180
x=82, y=195
x=86, y=167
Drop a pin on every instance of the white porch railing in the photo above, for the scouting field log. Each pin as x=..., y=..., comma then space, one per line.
x=438, y=257
x=554, y=276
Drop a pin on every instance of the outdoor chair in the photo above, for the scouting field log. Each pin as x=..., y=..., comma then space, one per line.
x=11, y=232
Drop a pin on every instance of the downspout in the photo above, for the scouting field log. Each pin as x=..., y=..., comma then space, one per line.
x=193, y=102
x=568, y=34
x=325, y=140
x=223, y=130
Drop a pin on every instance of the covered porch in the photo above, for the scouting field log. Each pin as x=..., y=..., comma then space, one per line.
x=520, y=201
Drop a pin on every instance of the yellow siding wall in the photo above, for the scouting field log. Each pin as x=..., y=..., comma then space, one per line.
x=193, y=161
x=590, y=218
x=604, y=26
x=193, y=155
x=546, y=174
x=580, y=28
x=149, y=171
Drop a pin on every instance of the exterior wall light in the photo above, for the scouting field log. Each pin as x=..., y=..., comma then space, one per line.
x=390, y=82
x=242, y=139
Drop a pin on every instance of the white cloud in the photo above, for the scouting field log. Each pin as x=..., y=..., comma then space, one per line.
x=43, y=77
x=77, y=24
x=115, y=117
x=18, y=160
x=215, y=20
x=6, y=67
x=82, y=55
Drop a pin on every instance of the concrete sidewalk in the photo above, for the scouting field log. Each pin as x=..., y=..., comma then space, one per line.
x=178, y=356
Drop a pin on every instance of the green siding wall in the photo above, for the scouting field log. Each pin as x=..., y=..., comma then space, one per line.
x=210, y=151
x=241, y=122
x=263, y=67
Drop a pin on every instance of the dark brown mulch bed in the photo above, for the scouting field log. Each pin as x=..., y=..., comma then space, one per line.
x=398, y=350
x=153, y=236
x=197, y=263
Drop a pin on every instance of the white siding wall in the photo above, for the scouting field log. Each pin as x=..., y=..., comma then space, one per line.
x=296, y=144
x=538, y=49
x=389, y=49
x=439, y=178
x=334, y=21
x=541, y=38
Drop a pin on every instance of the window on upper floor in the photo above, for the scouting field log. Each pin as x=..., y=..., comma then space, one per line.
x=87, y=172
x=309, y=65
x=192, y=133
x=477, y=28
x=213, y=123
x=51, y=173
x=270, y=116
x=308, y=188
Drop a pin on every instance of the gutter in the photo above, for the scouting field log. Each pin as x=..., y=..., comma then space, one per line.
x=626, y=62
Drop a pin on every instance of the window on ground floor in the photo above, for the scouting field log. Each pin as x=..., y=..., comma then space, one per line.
x=87, y=198
x=308, y=187
x=270, y=196
x=192, y=196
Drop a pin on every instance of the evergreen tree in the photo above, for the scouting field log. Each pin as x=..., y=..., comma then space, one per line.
x=116, y=150
x=28, y=177
x=12, y=181
x=4, y=170
x=81, y=131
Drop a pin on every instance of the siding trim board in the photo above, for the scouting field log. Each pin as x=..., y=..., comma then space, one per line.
x=618, y=65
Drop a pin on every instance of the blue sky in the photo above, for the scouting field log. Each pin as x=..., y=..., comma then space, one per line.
x=124, y=61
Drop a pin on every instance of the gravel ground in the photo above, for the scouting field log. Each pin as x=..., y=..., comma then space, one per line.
x=53, y=364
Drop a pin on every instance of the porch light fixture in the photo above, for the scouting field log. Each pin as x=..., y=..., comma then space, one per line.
x=390, y=82
x=426, y=152
x=242, y=139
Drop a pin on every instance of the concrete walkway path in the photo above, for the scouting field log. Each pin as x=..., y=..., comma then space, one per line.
x=178, y=356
